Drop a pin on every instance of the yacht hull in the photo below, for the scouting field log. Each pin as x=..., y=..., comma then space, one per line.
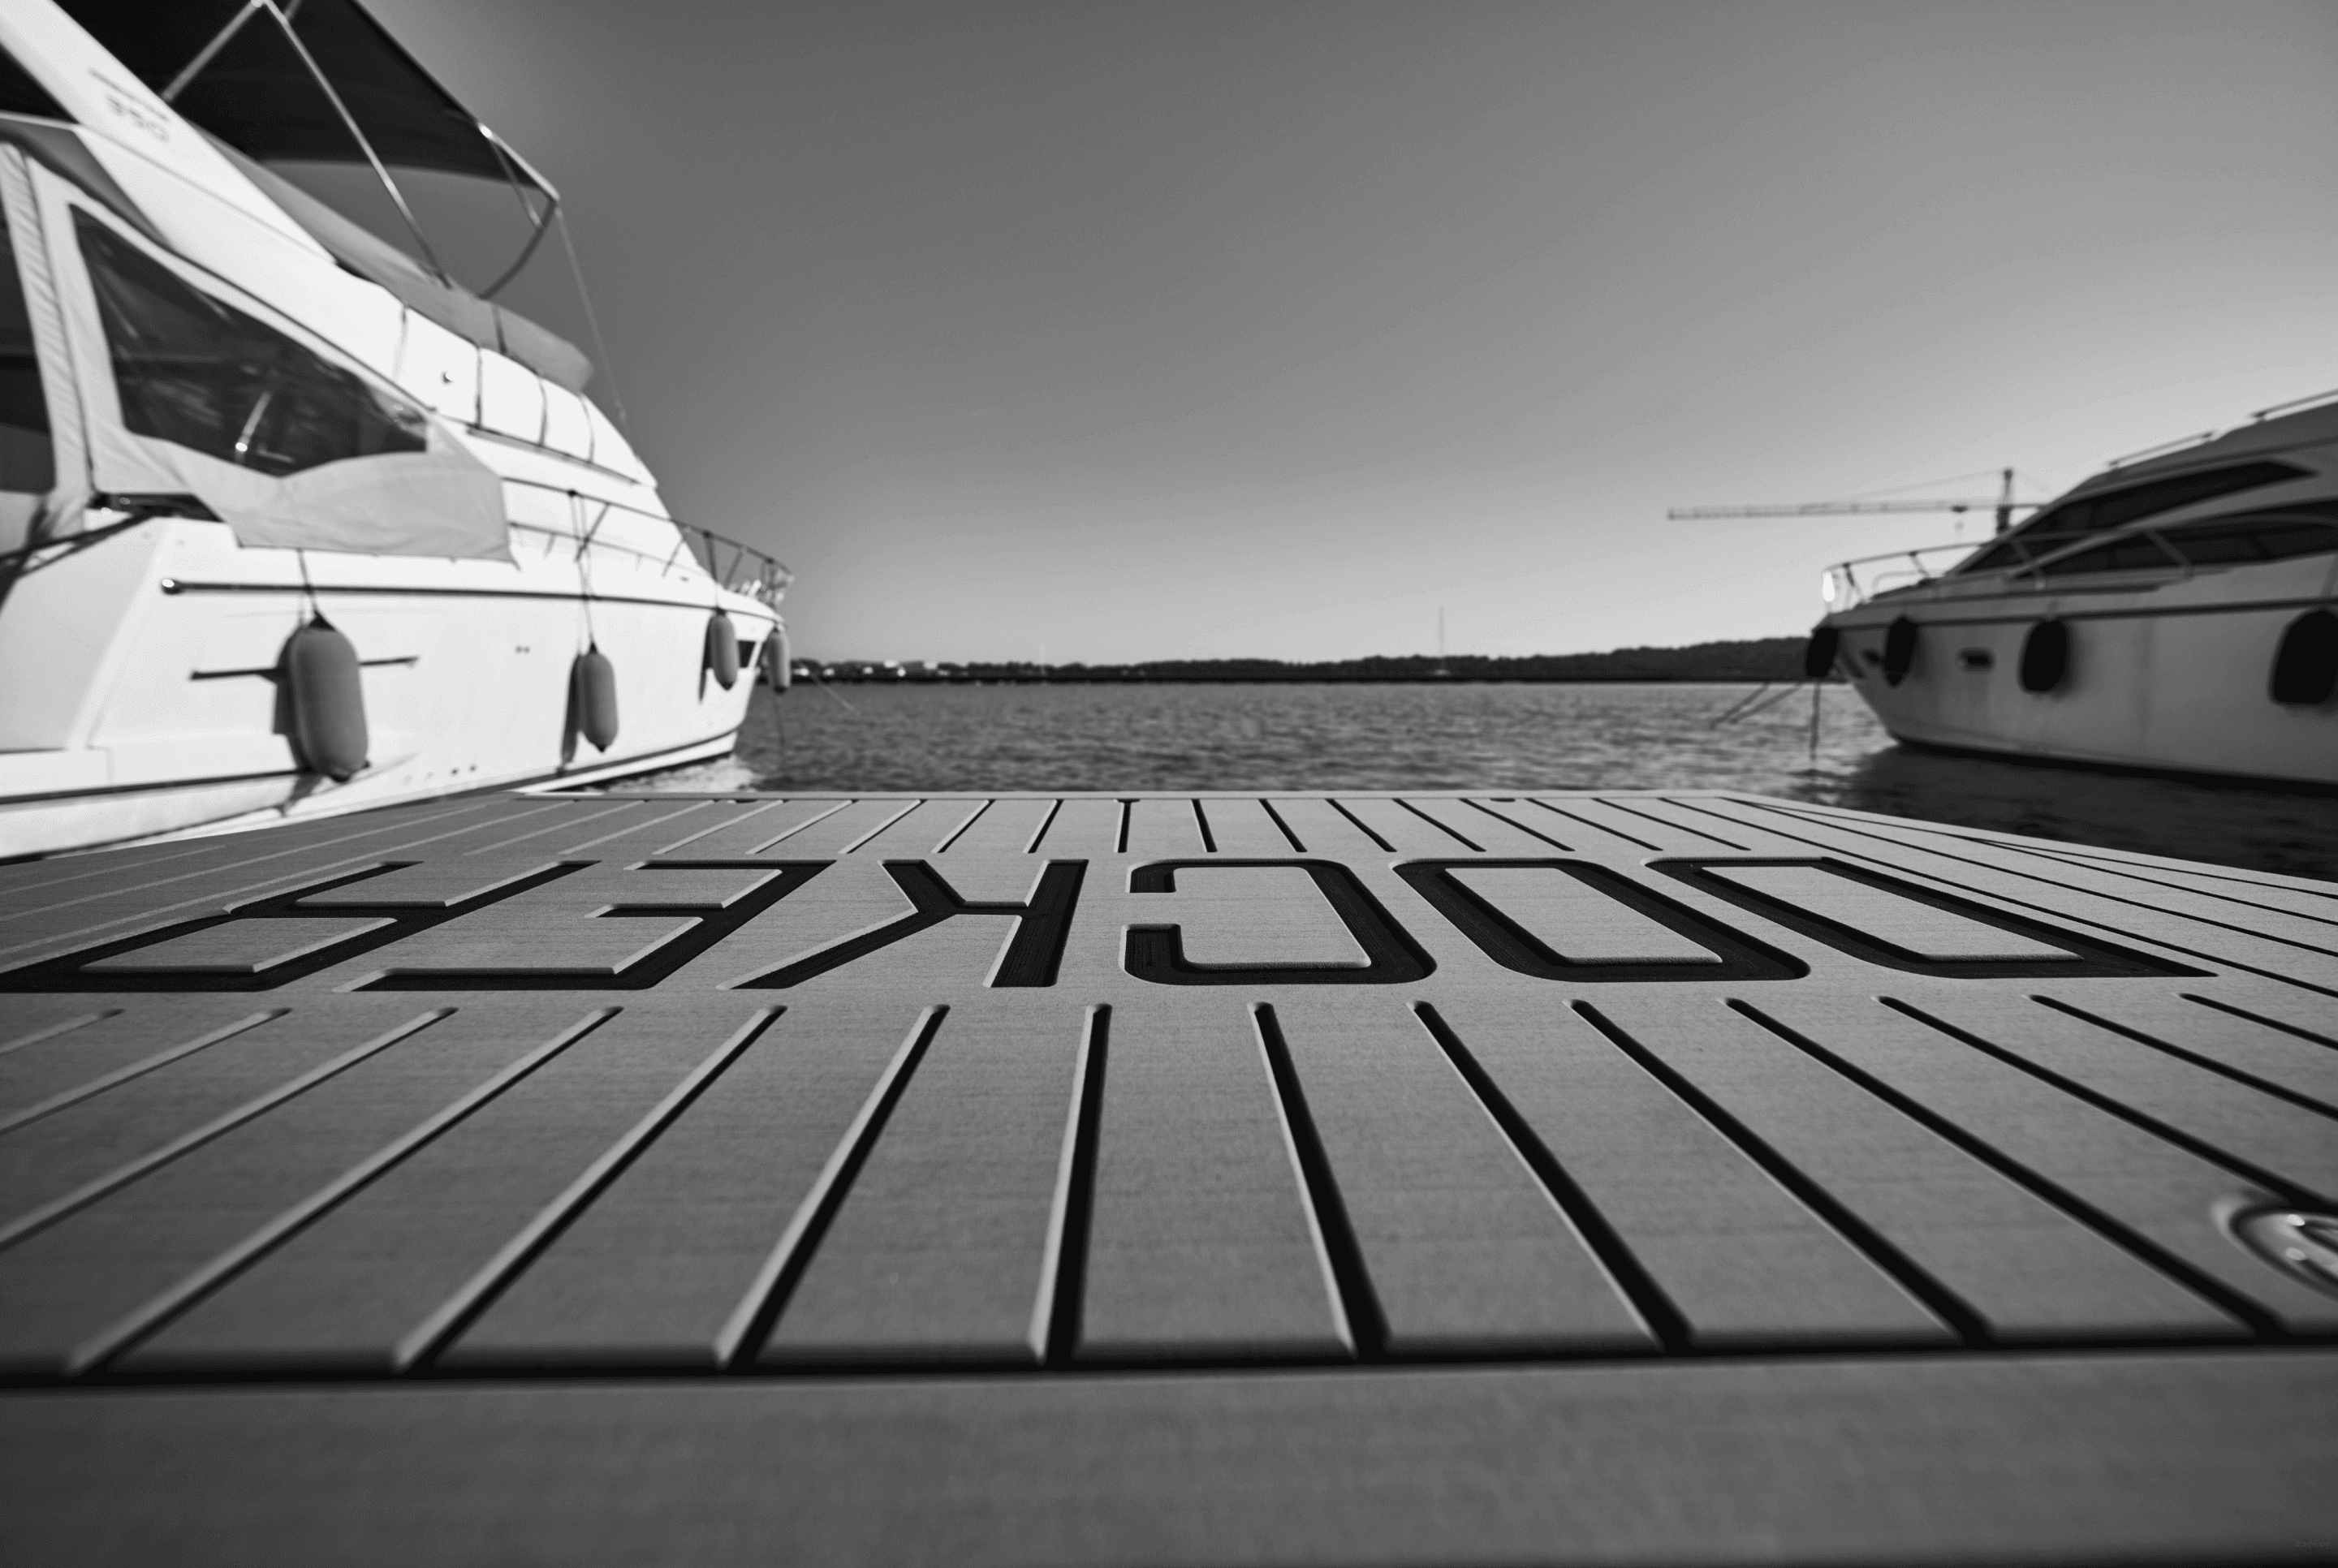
x=2170, y=677
x=162, y=689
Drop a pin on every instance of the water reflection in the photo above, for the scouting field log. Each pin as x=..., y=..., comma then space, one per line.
x=2293, y=832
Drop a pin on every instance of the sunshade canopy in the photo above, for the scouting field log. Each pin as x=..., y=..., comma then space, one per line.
x=257, y=96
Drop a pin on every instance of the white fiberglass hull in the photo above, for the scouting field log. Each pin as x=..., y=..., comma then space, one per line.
x=160, y=651
x=2163, y=675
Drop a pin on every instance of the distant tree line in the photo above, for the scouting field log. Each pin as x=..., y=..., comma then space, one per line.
x=1759, y=659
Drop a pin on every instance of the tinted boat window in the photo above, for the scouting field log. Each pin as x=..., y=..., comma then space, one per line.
x=27, y=466
x=2119, y=555
x=201, y=373
x=2111, y=508
x=2264, y=536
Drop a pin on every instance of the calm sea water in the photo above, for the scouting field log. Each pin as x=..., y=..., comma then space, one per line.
x=944, y=739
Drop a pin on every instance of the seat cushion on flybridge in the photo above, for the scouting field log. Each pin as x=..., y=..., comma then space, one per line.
x=1287, y=1178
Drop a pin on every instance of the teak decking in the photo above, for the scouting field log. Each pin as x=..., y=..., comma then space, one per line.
x=1360, y=1178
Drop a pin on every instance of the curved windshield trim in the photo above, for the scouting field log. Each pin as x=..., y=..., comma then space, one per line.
x=2092, y=515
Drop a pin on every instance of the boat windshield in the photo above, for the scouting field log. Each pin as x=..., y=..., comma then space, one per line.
x=203, y=375
x=2057, y=527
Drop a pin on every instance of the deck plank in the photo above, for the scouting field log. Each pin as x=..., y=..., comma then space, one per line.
x=2163, y=1194
x=352, y=1289
x=1083, y=827
x=1322, y=828
x=1741, y=1259
x=1201, y=1245
x=1490, y=831
x=1408, y=828
x=1005, y=827
x=2238, y=1120
x=78, y=1284
x=1464, y=1249
x=940, y=1249
x=664, y=1268
x=1163, y=829
x=2022, y=1266
x=929, y=826
x=1243, y=828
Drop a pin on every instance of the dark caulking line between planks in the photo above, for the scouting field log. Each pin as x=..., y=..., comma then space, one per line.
x=1596, y=828
x=1064, y=1276
x=1284, y=828
x=1638, y=1287
x=1359, y=823
x=122, y=1175
x=1513, y=822
x=2206, y=1063
x=2307, y=1034
x=138, y=1069
x=1363, y=1326
x=2042, y=1187
x=1614, y=805
x=145, y=1319
x=54, y=1029
x=2287, y=1190
x=1046, y=822
x=1937, y=1298
x=480, y=1292
x=767, y=1297
x=1453, y=833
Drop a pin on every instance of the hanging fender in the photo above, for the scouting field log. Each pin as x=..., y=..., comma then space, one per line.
x=1898, y=650
x=593, y=698
x=1818, y=653
x=2045, y=656
x=779, y=668
x=324, y=689
x=2306, y=664
x=722, y=651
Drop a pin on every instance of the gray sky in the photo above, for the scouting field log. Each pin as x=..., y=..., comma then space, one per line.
x=1182, y=329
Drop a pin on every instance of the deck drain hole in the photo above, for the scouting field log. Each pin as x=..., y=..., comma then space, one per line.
x=2299, y=1243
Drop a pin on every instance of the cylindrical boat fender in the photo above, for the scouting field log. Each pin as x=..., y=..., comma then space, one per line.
x=722, y=651
x=324, y=688
x=779, y=667
x=2045, y=656
x=593, y=697
x=2306, y=664
x=1818, y=653
x=1898, y=650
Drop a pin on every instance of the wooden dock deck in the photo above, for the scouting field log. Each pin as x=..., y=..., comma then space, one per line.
x=1298, y=1178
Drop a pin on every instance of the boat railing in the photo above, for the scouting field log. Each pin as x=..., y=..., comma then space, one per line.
x=1847, y=584
x=739, y=567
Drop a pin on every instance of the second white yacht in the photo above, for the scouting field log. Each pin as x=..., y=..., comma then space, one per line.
x=2178, y=612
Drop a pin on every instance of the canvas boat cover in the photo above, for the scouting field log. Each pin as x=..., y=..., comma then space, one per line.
x=257, y=101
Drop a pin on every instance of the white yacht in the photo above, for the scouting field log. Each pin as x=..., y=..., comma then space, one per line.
x=2174, y=614
x=290, y=523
